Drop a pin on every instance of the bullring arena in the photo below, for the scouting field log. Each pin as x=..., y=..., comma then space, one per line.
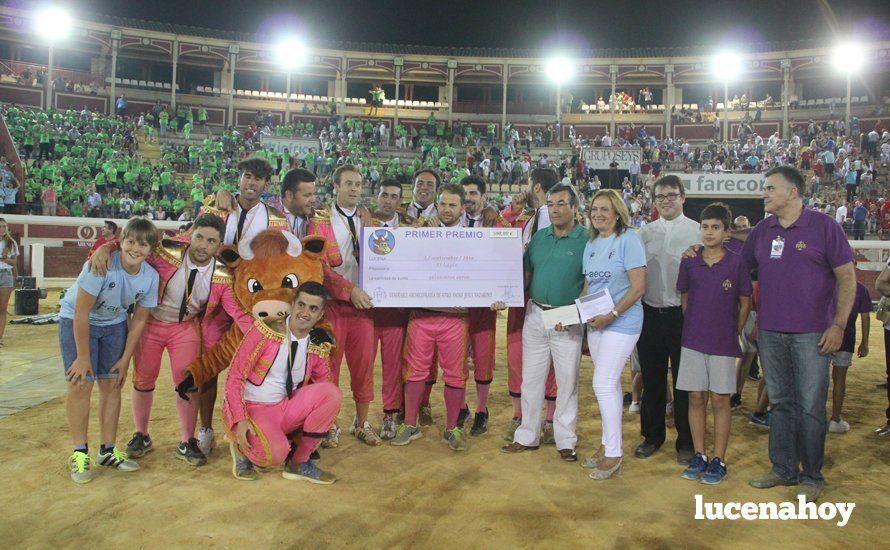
x=422, y=495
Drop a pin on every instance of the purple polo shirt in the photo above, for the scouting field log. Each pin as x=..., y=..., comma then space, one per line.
x=862, y=304
x=797, y=286
x=710, y=322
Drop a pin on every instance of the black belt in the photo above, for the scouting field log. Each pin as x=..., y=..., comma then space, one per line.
x=663, y=310
x=542, y=306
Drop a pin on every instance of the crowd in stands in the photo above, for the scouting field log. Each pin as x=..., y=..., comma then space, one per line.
x=87, y=164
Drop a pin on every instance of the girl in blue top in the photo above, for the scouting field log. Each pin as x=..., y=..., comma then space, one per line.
x=614, y=260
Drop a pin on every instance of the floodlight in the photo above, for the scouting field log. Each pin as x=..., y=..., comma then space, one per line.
x=848, y=57
x=291, y=53
x=726, y=66
x=559, y=69
x=53, y=23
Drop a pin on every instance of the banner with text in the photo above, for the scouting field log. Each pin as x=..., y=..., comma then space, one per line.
x=293, y=145
x=600, y=158
x=722, y=185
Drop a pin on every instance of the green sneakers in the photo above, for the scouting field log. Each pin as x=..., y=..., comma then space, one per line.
x=79, y=463
x=406, y=434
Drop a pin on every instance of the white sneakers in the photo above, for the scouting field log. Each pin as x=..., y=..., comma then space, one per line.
x=205, y=440
x=634, y=407
x=839, y=427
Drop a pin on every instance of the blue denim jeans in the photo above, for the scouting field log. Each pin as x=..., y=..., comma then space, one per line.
x=106, y=347
x=797, y=382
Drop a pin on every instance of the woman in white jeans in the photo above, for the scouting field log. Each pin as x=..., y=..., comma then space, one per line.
x=614, y=260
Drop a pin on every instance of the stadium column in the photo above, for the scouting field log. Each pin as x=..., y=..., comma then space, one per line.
x=398, y=62
x=173, y=83
x=452, y=65
x=668, y=99
x=786, y=96
x=343, y=87
x=504, y=101
x=233, y=57
x=49, y=78
x=613, y=71
x=115, y=44
x=287, y=97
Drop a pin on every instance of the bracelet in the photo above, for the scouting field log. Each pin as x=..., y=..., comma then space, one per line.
x=838, y=326
x=614, y=313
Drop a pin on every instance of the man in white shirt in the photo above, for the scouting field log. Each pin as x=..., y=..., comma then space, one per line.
x=423, y=202
x=634, y=170
x=665, y=240
x=840, y=216
x=353, y=326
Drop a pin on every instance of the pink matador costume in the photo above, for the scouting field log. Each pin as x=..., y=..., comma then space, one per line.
x=311, y=408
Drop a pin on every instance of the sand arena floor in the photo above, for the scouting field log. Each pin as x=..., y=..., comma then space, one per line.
x=422, y=495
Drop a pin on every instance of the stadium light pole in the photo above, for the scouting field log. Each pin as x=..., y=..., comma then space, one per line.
x=291, y=53
x=726, y=66
x=559, y=70
x=52, y=24
x=847, y=58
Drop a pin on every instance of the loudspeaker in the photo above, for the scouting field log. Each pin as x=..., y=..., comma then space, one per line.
x=27, y=301
x=26, y=282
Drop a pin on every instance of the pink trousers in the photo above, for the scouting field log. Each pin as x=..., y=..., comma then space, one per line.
x=354, y=329
x=311, y=408
x=432, y=338
x=389, y=331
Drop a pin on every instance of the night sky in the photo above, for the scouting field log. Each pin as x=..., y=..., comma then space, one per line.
x=537, y=24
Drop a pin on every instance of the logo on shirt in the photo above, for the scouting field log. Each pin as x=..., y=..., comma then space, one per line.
x=800, y=245
x=112, y=285
x=382, y=242
x=727, y=284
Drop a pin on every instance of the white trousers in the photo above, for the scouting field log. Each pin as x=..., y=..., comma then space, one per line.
x=539, y=346
x=609, y=351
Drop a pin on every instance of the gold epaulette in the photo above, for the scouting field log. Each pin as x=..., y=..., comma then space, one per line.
x=405, y=219
x=321, y=350
x=422, y=221
x=322, y=214
x=525, y=216
x=222, y=273
x=504, y=222
x=171, y=250
x=276, y=217
x=272, y=328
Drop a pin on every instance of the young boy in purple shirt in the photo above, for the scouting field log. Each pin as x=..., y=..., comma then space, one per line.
x=843, y=358
x=715, y=289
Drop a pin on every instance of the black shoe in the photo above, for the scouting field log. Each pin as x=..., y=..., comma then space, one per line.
x=480, y=423
x=315, y=455
x=628, y=398
x=735, y=401
x=646, y=449
x=139, y=445
x=191, y=453
x=462, y=418
x=754, y=376
x=684, y=456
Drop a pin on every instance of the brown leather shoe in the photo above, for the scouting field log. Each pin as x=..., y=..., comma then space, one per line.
x=514, y=448
x=569, y=455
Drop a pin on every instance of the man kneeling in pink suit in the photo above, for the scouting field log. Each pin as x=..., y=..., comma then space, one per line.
x=279, y=384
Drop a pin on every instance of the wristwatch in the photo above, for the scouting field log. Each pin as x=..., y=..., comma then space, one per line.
x=615, y=313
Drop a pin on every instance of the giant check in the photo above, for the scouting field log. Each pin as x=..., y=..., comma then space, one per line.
x=442, y=266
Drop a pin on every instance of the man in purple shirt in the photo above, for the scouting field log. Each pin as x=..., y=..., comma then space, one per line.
x=804, y=263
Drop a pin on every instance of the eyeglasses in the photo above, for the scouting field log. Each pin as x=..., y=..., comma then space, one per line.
x=560, y=204
x=670, y=197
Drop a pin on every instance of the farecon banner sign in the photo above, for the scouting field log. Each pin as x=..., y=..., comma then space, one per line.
x=599, y=158
x=293, y=145
x=722, y=185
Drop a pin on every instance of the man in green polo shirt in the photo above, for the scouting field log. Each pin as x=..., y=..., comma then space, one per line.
x=554, y=275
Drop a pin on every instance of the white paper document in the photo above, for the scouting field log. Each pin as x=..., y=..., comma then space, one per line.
x=567, y=315
x=598, y=303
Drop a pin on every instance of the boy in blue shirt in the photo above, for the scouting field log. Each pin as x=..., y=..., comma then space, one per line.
x=97, y=345
x=715, y=289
